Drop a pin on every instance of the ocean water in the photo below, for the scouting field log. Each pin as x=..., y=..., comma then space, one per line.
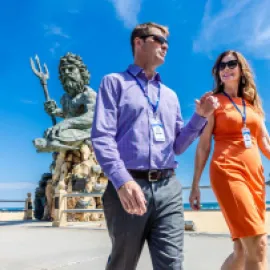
x=215, y=206
x=211, y=206
x=204, y=206
x=12, y=209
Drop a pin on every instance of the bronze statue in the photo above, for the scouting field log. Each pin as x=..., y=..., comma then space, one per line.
x=78, y=104
x=74, y=168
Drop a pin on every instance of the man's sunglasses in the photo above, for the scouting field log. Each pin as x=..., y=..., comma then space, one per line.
x=230, y=64
x=160, y=39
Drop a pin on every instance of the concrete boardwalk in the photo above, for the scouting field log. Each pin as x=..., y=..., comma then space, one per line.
x=38, y=246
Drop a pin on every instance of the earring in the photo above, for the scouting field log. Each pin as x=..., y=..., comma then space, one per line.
x=243, y=80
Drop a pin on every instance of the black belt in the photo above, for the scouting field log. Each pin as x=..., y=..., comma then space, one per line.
x=152, y=175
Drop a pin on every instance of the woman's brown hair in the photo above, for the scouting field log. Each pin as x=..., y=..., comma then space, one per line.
x=247, y=88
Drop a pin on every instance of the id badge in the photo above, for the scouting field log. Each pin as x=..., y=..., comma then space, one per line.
x=158, y=131
x=247, y=137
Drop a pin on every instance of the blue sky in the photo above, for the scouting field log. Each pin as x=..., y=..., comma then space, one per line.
x=99, y=31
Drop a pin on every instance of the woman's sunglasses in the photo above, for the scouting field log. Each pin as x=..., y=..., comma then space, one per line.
x=160, y=39
x=230, y=64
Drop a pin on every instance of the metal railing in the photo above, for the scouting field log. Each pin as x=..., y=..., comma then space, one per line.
x=28, y=206
x=93, y=194
x=11, y=201
x=60, y=206
x=60, y=200
x=201, y=187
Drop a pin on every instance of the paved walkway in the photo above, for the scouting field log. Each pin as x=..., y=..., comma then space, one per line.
x=38, y=246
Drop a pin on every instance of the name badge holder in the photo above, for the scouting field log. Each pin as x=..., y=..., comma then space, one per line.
x=158, y=130
x=157, y=126
x=247, y=137
x=245, y=130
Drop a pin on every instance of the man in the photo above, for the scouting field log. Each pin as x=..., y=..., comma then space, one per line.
x=136, y=132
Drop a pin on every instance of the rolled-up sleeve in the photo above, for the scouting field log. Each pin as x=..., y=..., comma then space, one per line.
x=104, y=130
x=185, y=135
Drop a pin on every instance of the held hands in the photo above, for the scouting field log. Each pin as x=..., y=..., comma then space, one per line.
x=206, y=105
x=195, y=198
x=132, y=198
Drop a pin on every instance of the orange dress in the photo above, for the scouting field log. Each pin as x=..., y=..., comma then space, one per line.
x=236, y=172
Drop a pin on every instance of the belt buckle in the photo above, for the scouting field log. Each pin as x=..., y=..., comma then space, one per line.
x=149, y=176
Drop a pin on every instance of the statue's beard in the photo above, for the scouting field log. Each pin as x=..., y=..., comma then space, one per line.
x=73, y=87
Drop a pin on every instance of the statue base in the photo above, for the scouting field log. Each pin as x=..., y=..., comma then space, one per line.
x=77, y=171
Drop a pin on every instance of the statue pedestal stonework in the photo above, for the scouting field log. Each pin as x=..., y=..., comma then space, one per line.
x=78, y=172
x=60, y=218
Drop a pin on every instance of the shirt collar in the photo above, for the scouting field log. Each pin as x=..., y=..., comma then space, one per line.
x=136, y=70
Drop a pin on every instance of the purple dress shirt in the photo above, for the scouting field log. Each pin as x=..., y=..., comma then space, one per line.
x=122, y=135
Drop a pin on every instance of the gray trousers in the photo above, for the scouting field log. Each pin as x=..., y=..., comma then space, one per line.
x=162, y=226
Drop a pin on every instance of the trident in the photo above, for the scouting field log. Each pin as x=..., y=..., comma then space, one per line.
x=43, y=77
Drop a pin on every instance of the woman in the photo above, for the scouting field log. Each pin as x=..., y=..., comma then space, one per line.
x=236, y=171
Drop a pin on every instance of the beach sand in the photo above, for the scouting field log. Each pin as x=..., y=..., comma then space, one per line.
x=213, y=221
x=10, y=216
x=205, y=221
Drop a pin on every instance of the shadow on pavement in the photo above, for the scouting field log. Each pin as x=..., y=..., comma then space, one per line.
x=17, y=222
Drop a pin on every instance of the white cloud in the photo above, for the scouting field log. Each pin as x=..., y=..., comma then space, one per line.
x=242, y=25
x=127, y=11
x=55, y=46
x=17, y=185
x=31, y=102
x=55, y=30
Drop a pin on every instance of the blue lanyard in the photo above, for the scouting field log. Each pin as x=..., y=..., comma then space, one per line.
x=244, y=117
x=154, y=106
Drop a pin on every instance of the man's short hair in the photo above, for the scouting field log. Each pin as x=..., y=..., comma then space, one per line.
x=144, y=30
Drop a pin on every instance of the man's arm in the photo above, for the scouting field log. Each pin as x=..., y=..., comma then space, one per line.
x=264, y=140
x=104, y=130
x=103, y=138
x=185, y=135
